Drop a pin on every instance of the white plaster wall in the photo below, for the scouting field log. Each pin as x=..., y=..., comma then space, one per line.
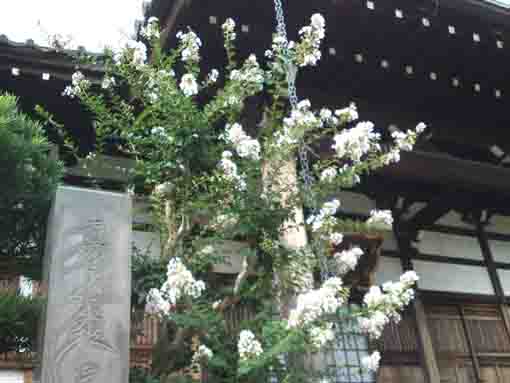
x=453, y=278
x=388, y=269
x=504, y=277
x=11, y=376
x=454, y=219
x=500, y=251
x=448, y=245
x=499, y=224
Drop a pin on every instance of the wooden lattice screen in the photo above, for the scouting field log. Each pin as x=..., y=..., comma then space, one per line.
x=470, y=341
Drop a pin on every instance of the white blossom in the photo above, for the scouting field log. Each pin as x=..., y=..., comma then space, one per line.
x=189, y=85
x=374, y=324
x=320, y=335
x=190, y=45
x=228, y=28
x=156, y=304
x=374, y=297
x=203, y=353
x=385, y=304
x=213, y=76
x=420, y=128
x=248, y=346
x=380, y=219
x=357, y=141
x=348, y=114
x=131, y=52
x=313, y=304
x=180, y=283
x=328, y=174
x=371, y=362
x=348, y=259
x=308, y=50
x=409, y=277
x=229, y=169
x=249, y=75
x=108, y=82
x=336, y=238
x=79, y=84
x=328, y=209
x=151, y=30
x=245, y=146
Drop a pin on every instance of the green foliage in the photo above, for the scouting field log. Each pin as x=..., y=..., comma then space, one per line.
x=30, y=175
x=147, y=272
x=19, y=317
x=140, y=375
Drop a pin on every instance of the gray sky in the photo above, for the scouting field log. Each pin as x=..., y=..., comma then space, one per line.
x=91, y=23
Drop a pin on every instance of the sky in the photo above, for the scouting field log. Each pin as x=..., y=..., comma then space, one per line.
x=91, y=23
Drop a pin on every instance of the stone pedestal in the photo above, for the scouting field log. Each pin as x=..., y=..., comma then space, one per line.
x=86, y=333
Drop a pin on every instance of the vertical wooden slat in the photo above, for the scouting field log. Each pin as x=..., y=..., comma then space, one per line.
x=426, y=350
x=472, y=350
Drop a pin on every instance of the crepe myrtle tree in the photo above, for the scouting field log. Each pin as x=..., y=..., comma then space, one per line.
x=211, y=179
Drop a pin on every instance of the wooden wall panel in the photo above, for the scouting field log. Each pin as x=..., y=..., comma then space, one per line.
x=447, y=335
x=400, y=374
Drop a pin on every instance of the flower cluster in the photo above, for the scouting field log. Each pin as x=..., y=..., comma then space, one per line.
x=357, y=141
x=189, y=85
x=328, y=174
x=151, y=30
x=248, y=346
x=250, y=73
x=108, y=82
x=301, y=120
x=325, y=214
x=156, y=303
x=380, y=219
x=384, y=304
x=308, y=50
x=156, y=82
x=190, y=45
x=79, y=85
x=212, y=77
x=230, y=170
x=179, y=283
x=347, y=260
x=203, y=353
x=228, y=28
x=336, y=238
x=405, y=141
x=371, y=362
x=245, y=146
x=132, y=52
x=316, y=303
x=347, y=114
x=320, y=335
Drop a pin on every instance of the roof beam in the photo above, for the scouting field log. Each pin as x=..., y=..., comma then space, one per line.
x=427, y=216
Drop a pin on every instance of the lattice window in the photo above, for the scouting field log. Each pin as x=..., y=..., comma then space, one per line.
x=341, y=363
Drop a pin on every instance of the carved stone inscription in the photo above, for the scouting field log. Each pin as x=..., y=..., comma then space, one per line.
x=87, y=322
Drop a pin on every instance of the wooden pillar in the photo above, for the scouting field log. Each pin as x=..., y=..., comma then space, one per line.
x=426, y=349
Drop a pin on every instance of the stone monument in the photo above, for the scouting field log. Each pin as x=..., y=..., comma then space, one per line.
x=86, y=332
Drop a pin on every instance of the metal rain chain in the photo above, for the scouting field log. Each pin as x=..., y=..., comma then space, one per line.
x=281, y=29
